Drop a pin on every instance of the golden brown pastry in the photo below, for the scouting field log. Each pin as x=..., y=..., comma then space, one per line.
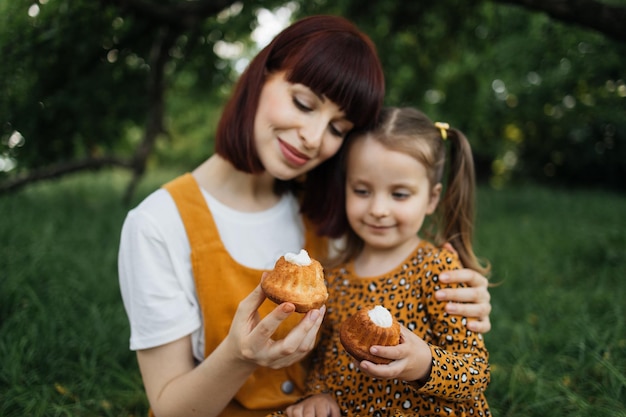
x=368, y=327
x=297, y=279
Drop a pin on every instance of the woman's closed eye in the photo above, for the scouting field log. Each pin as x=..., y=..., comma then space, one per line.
x=301, y=106
x=336, y=131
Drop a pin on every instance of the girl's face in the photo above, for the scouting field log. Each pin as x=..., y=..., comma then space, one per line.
x=294, y=129
x=388, y=195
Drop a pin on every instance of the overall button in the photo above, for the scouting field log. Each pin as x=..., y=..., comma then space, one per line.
x=287, y=387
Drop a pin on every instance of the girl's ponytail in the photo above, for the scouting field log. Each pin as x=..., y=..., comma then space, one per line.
x=457, y=207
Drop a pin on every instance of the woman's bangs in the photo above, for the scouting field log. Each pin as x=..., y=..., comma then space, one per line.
x=343, y=75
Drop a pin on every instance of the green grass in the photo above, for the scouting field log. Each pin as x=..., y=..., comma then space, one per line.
x=558, y=343
x=63, y=332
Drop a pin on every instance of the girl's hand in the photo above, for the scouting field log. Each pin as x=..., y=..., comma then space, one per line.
x=318, y=405
x=412, y=359
x=250, y=338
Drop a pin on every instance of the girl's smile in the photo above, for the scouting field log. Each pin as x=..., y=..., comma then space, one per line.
x=378, y=228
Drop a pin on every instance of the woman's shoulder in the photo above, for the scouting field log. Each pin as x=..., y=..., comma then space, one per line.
x=156, y=212
x=155, y=202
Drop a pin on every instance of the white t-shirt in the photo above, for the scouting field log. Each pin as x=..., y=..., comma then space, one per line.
x=155, y=270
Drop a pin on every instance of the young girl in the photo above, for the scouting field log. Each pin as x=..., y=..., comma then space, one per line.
x=393, y=181
x=192, y=254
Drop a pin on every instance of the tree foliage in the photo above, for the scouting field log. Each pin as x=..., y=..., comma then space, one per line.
x=539, y=98
x=87, y=84
x=45, y=80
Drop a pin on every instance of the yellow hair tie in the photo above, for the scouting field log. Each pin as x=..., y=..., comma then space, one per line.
x=443, y=128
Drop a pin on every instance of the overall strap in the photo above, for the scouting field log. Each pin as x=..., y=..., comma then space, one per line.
x=192, y=208
x=221, y=283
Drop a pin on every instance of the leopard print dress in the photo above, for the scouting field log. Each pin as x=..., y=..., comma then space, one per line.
x=460, y=368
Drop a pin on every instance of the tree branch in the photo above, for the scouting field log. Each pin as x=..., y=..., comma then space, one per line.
x=61, y=169
x=607, y=19
x=159, y=56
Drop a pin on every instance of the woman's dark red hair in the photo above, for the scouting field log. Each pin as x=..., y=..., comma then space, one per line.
x=329, y=55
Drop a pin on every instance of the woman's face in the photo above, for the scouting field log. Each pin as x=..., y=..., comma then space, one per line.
x=294, y=129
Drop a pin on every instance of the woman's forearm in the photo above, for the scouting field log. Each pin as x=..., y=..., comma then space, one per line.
x=176, y=387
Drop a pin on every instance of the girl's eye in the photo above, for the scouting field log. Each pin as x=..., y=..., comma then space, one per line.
x=400, y=195
x=360, y=191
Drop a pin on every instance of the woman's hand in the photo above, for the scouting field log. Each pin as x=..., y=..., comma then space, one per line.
x=318, y=405
x=173, y=382
x=251, y=338
x=471, y=301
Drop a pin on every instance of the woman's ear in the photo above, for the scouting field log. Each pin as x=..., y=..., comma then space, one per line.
x=435, y=195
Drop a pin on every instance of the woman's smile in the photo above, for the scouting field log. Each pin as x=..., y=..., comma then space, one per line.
x=296, y=129
x=292, y=155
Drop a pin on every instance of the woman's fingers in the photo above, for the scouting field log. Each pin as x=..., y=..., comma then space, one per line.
x=252, y=336
x=318, y=405
x=479, y=326
x=449, y=247
x=249, y=305
x=262, y=349
x=476, y=311
x=471, y=301
x=301, y=339
x=247, y=316
x=465, y=276
x=310, y=326
x=477, y=295
x=474, y=291
x=266, y=327
x=477, y=314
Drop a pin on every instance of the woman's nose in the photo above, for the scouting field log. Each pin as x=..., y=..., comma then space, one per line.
x=312, y=133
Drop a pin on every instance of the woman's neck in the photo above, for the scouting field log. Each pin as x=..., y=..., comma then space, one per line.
x=236, y=189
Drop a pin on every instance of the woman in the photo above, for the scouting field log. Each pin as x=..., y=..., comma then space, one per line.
x=192, y=254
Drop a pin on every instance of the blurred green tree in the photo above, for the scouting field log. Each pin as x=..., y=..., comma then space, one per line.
x=87, y=84
x=541, y=96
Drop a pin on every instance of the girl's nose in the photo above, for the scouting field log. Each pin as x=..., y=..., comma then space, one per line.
x=379, y=207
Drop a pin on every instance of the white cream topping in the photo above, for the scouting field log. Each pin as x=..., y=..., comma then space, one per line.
x=380, y=316
x=301, y=258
